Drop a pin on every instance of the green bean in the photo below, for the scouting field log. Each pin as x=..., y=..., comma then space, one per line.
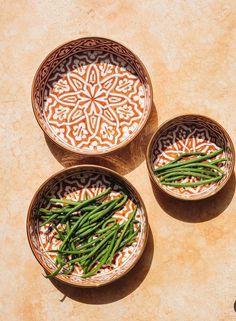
x=174, y=178
x=64, y=210
x=49, y=219
x=193, y=184
x=191, y=161
x=97, y=258
x=131, y=229
x=104, y=259
x=90, y=230
x=60, y=217
x=220, y=160
x=88, y=263
x=68, y=236
x=122, y=233
x=128, y=239
x=68, y=226
x=98, y=225
x=78, y=242
x=55, y=272
x=90, y=243
x=102, y=230
x=97, y=212
x=111, y=220
x=123, y=243
x=85, y=228
x=199, y=169
x=101, y=206
x=106, y=204
x=122, y=202
x=99, y=245
x=54, y=210
x=207, y=166
x=88, y=208
x=93, y=226
x=72, y=252
x=127, y=233
x=61, y=236
x=85, y=224
x=98, y=215
x=86, y=216
x=185, y=155
x=70, y=270
x=64, y=201
x=185, y=173
x=83, y=204
x=74, y=209
x=83, y=219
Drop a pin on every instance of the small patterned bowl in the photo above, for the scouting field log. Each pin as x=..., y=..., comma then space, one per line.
x=75, y=183
x=189, y=133
x=92, y=96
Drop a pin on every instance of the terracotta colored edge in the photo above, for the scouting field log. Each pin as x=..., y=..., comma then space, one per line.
x=115, y=148
x=107, y=172
x=153, y=139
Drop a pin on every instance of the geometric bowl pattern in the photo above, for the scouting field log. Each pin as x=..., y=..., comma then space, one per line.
x=190, y=133
x=77, y=183
x=92, y=96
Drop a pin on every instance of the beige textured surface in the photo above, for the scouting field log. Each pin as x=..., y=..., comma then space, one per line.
x=188, y=271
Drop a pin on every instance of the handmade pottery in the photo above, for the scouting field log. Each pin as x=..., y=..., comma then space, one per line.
x=189, y=133
x=92, y=96
x=77, y=183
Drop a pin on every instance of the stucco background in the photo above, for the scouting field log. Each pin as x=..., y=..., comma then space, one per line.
x=188, y=271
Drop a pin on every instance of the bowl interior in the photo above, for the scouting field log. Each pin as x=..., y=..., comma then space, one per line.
x=190, y=133
x=91, y=95
x=76, y=184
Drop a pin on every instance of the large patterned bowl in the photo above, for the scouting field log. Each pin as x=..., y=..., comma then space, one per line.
x=75, y=183
x=189, y=133
x=91, y=95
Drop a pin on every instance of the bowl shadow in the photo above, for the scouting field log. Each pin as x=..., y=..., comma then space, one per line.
x=196, y=211
x=123, y=160
x=116, y=290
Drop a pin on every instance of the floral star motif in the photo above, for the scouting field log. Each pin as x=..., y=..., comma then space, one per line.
x=95, y=105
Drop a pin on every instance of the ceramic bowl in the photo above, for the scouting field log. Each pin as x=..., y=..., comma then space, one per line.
x=189, y=133
x=91, y=96
x=75, y=183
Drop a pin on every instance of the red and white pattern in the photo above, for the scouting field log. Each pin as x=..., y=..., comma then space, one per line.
x=189, y=134
x=77, y=187
x=92, y=96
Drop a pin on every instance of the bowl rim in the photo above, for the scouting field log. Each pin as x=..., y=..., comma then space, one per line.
x=106, y=171
x=153, y=139
x=115, y=148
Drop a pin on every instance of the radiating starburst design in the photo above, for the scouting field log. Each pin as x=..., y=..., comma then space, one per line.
x=94, y=105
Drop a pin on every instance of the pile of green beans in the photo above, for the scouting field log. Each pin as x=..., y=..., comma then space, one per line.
x=197, y=165
x=90, y=236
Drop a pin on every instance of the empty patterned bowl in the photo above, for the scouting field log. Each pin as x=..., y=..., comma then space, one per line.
x=188, y=134
x=91, y=96
x=77, y=183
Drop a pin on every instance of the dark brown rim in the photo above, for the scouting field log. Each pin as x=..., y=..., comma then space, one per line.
x=153, y=139
x=108, y=172
x=149, y=106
